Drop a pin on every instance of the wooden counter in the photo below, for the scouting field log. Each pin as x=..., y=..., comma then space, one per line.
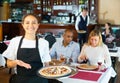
x=15, y=29
x=11, y=30
x=1, y=32
x=57, y=28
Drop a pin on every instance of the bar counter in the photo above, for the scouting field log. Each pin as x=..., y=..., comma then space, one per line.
x=12, y=29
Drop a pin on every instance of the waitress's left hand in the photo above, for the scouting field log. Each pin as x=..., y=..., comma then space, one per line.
x=23, y=64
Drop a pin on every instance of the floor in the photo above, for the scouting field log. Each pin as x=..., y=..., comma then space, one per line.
x=4, y=74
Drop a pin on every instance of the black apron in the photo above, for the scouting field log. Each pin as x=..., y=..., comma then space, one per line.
x=32, y=57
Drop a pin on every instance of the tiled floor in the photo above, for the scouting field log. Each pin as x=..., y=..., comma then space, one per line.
x=4, y=74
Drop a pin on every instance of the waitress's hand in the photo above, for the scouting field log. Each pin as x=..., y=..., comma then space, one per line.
x=14, y=63
x=23, y=64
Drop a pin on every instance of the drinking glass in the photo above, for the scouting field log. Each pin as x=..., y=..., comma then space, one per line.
x=99, y=64
x=63, y=59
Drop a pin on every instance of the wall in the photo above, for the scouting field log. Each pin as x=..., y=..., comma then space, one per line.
x=109, y=11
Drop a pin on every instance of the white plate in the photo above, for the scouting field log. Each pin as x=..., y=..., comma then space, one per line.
x=81, y=31
x=87, y=67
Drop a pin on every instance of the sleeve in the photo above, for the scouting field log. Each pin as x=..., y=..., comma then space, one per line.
x=77, y=22
x=2, y=61
x=88, y=20
x=44, y=53
x=53, y=50
x=107, y=57
x=75, y=52
x=10, y=52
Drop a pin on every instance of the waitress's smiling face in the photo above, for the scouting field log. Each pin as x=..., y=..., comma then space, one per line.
x=30, y=24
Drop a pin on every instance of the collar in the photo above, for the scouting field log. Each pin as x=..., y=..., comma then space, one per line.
x=68, y=44
x=82, y=15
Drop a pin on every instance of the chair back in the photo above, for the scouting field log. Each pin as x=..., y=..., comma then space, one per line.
x=3, y=47
x=51, y=39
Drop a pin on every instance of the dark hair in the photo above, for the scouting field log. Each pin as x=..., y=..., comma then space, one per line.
x=30, y=14
x=68, y=30
x=85, y=8
x=110, y=28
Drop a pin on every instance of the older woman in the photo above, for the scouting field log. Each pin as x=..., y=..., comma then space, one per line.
x=95, y=50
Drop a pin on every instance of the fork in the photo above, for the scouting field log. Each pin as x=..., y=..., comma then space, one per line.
x=88, y=61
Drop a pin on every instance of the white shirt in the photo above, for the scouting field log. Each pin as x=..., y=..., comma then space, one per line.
x=2, y=60
x=11, y=52
x=78, y=20
x=97, y=53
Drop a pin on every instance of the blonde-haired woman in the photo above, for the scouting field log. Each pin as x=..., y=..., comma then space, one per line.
x=95, y=50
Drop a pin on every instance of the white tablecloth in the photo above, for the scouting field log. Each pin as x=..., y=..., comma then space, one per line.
x=104, y=78
x=116, y=54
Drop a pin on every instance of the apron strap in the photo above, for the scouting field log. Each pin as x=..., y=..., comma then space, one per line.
x=20, y=42
x=36, y=42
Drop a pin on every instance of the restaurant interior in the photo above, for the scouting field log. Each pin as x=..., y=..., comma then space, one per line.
x=56, y=16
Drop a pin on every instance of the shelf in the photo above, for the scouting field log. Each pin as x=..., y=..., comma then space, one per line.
x=54, y=7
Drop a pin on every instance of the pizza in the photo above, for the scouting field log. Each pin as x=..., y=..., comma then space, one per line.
x=55, y=71
x=87, y=67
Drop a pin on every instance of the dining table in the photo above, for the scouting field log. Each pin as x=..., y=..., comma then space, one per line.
x=115, y=55
x=89, y=76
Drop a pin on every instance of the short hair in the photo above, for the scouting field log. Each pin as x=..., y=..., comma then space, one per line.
x=110, y=27
x=95, y=32
x=30, y=14
x=68, y=30
x=85, y=8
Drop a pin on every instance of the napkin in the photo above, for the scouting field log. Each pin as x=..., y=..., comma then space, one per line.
x=87, y=76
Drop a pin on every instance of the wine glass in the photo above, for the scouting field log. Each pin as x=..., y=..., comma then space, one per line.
x=99, y=64
x=5, y=37
x=63, y=59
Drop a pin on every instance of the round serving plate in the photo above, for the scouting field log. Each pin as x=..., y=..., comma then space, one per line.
x=53, y=72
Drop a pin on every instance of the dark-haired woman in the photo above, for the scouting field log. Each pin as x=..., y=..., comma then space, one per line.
x=27, y=53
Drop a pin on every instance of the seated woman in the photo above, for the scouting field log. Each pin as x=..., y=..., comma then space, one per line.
x=108, y=33
x=95, y=50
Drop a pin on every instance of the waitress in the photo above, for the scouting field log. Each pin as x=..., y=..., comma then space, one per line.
x=27, y=53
